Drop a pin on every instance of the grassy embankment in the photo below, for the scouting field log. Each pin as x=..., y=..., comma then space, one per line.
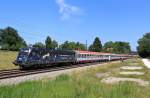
x=82, y=84
x=6, y=59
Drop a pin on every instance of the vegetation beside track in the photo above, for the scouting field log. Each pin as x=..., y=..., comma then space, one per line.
x=81, y=84
x=6, y=59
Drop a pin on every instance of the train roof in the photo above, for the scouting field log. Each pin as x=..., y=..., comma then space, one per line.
x=45, y=50
x=98, y=53
x=89, y=52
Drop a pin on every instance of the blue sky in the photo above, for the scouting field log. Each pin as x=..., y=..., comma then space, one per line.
x=77, y=20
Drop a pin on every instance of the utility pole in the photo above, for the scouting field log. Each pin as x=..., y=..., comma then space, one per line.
x=86, y=45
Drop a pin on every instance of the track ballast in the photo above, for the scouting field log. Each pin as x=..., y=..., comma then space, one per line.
x=5, y=74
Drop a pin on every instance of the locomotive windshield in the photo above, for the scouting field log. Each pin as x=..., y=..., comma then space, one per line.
x=23, y=54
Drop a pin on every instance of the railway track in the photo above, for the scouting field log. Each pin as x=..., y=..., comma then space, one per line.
x=5, y=74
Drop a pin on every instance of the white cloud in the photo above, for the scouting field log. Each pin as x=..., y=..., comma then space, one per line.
x=67, y=10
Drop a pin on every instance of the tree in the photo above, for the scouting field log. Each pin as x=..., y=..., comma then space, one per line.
x=121, y=47
x=144, y=46
x=51, y=44
x=64, y=45
x=54, y=44
x=108, y=47
x=48, y=42
x=68, y=45
x=96, y=46
x=72, y=46
x=1, y=31
x=117, y=47
x=80, y=46
x=91, y=48
x=39, y=45
x=10, y=39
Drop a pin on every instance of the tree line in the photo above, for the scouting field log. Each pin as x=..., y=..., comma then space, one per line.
x=143, y=47
x=11, y=40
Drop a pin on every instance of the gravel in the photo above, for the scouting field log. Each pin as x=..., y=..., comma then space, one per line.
x=131, y=73
x=131, y=67
x=114, y=80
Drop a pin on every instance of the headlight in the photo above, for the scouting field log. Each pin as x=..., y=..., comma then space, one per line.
x=19, y=59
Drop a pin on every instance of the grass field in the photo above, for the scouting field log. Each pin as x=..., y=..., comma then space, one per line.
x=81, y=84
x=6, y=59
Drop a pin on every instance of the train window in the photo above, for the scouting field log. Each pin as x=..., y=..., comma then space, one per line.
x=84, y=55
x=79, y=55
x=87, y=55
x=92, y=55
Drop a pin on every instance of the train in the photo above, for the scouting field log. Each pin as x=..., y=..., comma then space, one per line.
x=43, y=57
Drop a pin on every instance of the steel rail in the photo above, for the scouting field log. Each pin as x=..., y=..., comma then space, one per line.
x=5, y=74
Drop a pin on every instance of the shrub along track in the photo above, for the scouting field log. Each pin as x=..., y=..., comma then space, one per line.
x=4, y=74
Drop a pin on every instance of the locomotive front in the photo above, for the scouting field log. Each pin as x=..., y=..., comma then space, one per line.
x=22, y=56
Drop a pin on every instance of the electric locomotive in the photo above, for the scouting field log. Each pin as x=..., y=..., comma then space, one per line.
x=41, y=57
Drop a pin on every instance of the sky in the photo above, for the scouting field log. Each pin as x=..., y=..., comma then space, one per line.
x=77, y=20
